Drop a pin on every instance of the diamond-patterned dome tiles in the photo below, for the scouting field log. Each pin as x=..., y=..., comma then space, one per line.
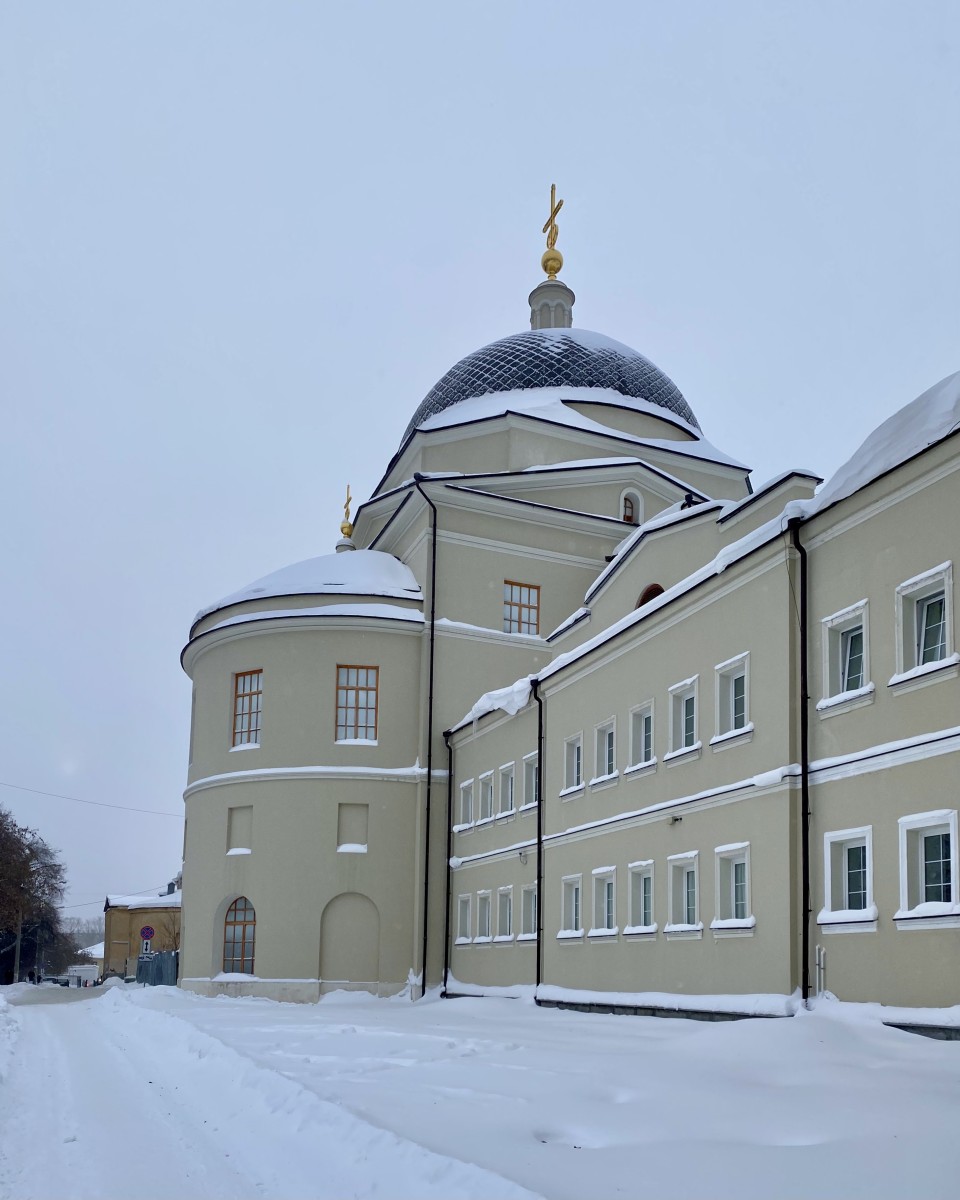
x=544, y=358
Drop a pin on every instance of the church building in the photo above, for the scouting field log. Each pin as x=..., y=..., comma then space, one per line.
x=577, y=706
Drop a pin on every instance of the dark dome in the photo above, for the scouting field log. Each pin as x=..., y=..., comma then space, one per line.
x=545, y=358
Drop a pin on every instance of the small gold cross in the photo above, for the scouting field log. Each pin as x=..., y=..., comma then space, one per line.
x=551, y=229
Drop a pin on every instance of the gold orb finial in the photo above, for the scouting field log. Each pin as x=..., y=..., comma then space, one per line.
x=346, y=527
x=552, y=259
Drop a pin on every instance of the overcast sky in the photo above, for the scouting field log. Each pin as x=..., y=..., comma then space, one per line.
x=240, y=241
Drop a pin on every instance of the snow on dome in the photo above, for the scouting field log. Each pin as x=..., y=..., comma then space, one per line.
x=921, y=423
x=543, y=358
x=357, y=573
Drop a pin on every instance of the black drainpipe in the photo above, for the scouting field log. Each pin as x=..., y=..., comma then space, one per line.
x=417, y=477
x=535, y=687
x=794, y=526
x=446, y=911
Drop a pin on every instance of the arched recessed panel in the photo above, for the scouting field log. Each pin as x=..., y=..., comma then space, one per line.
x=350, y=940
x=650, y=593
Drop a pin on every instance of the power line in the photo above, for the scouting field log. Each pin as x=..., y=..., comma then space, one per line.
x=96, y=803
x=137, y=892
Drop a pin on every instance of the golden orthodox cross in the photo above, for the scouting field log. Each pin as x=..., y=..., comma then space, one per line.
x=551, y=229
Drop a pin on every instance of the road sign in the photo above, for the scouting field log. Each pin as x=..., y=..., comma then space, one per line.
x=146, y=932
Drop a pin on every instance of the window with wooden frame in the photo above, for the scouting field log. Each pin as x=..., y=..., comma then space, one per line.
x=357, y=691
x=239, y=933
x=521, y=607
x=247, y=707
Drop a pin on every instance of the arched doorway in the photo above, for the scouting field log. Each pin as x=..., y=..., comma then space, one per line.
x=350, y=940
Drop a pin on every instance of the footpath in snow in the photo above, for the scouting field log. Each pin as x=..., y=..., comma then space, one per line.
x=148, y=1093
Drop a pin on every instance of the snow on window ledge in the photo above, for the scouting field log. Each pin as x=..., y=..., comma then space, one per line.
x=463, y=827
x=245, y=746
x=848, y=920
x=239, y=850
x=640, y=767
x=502, y=816
x=614, y=775
x=571, y=791
x=734, y=735
x=528, y=807
x=921, y=672
x=844, y=700
x=639, y=930
x=684, y=752
x=526, y=937
x=483, y=821
x=356, y=742
x=462, y=941
x=480, y=941
x=603, y=933
x=504, y=937
x=352, y=848
x=671, y=930
x=234, y=977
x=733, y=926
x=930, y=915
x=569, y=935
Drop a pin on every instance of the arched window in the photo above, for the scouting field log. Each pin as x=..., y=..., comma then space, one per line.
x=650, y=593
x=630, y=508
x=239, y=929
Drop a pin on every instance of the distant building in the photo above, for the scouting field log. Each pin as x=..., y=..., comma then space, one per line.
x=135, y=925
x=576, y=705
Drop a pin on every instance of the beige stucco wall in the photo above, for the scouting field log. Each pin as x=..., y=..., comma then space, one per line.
x=122, y=941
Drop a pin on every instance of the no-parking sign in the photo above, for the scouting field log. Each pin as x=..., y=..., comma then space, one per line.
x=146, y=932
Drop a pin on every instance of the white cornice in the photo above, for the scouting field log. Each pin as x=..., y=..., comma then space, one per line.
x=409, y=775
x=527, y=552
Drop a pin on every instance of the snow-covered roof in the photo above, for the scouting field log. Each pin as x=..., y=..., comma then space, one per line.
x=354, y=572
x=148, y=900
x=94, y=951
x=930, y=418
x=509, y=699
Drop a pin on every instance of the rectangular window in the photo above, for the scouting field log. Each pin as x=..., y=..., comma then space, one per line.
x=507, y=800
x=733, y=889
x=464, y=932
x=641, y=897
x=505, y=913
x=848, y=905
x=572, y=919
x=521, y=607
x=846, y=658
x=247, y=708
x=684, y=895
x=683, y=716
x=357, y=689
x=486, y=798
x=731, y=695
x=528, y=913
x=851, y=659
x=466, y=803
x=606, y=755
x=531, y=779
x=483, y=916
x=928, y=870
x=604, y=901
x=925, y=620
x=641, y=736
x=573, y=762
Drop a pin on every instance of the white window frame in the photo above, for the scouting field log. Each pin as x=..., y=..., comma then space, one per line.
x=724, y=675
x=638, y=871
x=910, y=596
x=486, y=795
x=572, y=757
x=678, y=867
x=528, y=913
x=915, y=912
x=504, y=894
x=637, y=504
x=680, y=693
x=531, y=776
x=466, y=792
x=605, y=750
x=464, y=906
x=725, y=922
x=833, y=632
x=835, y=917
x=507, y=788
x=604, y=903
x=638, y=714
x=484, y=905
x=571, y=910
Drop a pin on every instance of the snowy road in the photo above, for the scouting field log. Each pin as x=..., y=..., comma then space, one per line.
x=137, y=1094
